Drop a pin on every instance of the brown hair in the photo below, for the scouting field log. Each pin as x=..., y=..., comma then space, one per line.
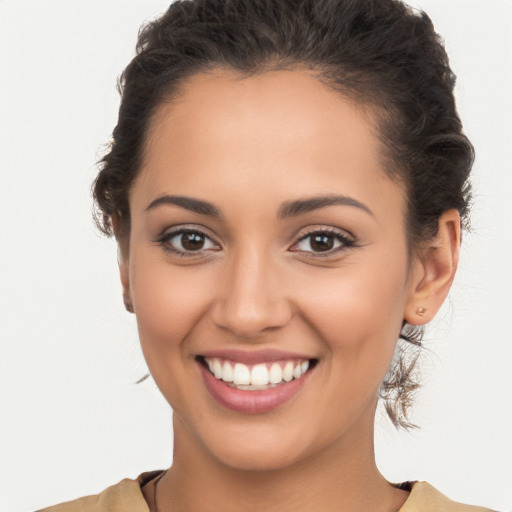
x=379, y=52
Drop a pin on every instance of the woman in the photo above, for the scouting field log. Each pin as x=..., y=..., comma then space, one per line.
x=287, y=185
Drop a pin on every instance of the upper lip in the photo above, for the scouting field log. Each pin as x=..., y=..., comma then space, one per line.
x=253, y=356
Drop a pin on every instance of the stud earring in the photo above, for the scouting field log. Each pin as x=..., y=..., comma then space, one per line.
x=421, y=310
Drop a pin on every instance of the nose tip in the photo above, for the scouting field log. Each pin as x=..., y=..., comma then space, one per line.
x=251, y=302
x=250, y=319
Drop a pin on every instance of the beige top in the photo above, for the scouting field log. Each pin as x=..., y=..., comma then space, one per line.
x=127, y=496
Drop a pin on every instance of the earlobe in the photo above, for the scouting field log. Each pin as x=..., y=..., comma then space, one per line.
x=122, y=261
x=125, y=282
x=434, y=271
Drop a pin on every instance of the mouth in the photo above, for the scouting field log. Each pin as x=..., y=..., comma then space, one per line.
x=256, y=377
x=254, y=386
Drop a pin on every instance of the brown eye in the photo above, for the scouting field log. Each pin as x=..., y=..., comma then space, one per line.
x=187, y=242
x=319, y=242
x=192, y=241
x=322, y=242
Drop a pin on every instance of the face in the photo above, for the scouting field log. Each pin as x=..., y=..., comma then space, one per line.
x=267, y=247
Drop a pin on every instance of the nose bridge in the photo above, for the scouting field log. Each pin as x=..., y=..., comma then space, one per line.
x=252, y=300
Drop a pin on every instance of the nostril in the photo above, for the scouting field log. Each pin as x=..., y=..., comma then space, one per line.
x=248, y=312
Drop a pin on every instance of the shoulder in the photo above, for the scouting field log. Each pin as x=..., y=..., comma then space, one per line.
x=121, y=497
x=425, y=498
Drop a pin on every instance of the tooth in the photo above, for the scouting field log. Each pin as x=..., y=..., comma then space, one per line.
x=275, y=375
x=244, y=387
x=227, y=372
x=217, y=369
x=210, y=364
x=304, y=367
x=259, y=375
x=251, y=387
x=297, y=372
x=288, y=371
x=241, y=374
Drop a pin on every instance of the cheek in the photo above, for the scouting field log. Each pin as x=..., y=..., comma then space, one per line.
x=357, y=318
x=358, y=313
x=168, y=302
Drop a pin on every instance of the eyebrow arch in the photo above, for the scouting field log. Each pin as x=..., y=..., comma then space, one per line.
x=294, y=208
x=189, y=203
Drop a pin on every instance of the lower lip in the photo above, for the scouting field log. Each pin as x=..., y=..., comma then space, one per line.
x=251, y=402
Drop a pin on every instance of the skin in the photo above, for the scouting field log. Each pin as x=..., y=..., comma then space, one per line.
x=249, y=146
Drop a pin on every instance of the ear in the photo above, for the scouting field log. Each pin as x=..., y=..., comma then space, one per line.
x=122, y=260
x=434, y=270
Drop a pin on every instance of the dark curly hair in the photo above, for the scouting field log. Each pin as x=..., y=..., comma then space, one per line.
x=380, y=53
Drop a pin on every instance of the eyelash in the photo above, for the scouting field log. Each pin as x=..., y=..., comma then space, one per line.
x=165, y=238
x=345, y=241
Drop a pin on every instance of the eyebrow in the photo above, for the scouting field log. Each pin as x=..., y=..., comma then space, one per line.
x=287, y=209
x=189, y=203
x=301, y=206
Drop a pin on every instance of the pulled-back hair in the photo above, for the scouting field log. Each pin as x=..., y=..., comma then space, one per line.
x=380, y=53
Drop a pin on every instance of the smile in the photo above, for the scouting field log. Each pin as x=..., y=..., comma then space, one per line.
x=253, y=383
x=256, y=377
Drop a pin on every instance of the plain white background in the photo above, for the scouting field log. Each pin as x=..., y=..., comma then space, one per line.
x=72, y=420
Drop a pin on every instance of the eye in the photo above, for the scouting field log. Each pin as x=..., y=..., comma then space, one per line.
x=187, y=242
x=323, y=241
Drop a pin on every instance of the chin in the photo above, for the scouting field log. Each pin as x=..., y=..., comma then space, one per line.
x=245, y=447
x=258, y=457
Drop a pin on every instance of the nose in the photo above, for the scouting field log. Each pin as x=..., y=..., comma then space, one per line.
x=252, y=299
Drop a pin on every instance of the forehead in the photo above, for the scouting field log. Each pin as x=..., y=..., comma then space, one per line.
x=279, y=133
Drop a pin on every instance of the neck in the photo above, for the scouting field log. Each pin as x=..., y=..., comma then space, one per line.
x=343, y=476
